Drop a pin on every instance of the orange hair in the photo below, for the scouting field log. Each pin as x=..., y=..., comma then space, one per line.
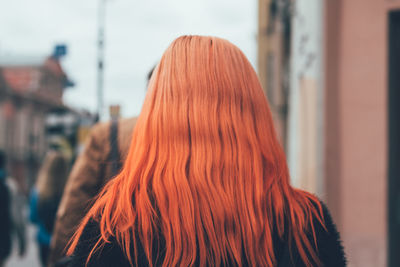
x=205, y=171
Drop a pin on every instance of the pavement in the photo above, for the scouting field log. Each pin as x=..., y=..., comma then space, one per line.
x=31, y=257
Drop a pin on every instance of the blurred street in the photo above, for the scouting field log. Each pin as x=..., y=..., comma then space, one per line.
x=74, y=76
x=31, y=257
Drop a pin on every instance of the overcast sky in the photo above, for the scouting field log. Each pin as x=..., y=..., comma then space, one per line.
x=137, y=33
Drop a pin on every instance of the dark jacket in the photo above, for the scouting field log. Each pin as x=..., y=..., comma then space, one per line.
x=330, y=250
x=5, y=220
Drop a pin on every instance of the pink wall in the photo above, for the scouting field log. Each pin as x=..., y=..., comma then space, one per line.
x=356, y=126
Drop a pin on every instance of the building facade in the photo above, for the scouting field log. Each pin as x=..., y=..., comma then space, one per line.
x=29, y=89
x=274, y=34
x=343, y=123
x=306, y=96
x=362, y=151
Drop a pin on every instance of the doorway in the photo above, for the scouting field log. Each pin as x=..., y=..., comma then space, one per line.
x=394, y=139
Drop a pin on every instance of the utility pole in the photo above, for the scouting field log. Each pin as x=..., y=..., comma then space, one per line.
x=100, y=58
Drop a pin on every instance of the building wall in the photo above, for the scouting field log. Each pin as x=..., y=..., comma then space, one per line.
x=50, y=86
x=346, y=83
x=273, y=58
x=262, y=38
x=356, y=125
x=27, y=93
x=305, y=97
x=20, y=136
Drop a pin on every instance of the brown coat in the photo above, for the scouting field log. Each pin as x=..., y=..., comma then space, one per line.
x=89, y=174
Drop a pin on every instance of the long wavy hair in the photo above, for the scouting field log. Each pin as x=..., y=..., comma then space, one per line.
x=205, y=172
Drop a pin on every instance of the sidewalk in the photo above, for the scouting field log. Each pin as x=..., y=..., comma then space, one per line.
x=31, y=257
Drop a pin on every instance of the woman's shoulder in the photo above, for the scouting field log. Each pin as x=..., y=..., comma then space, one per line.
x=328, y=242
x=110, y=254
x=324, y=238
x=321, y=221
x=330, y=247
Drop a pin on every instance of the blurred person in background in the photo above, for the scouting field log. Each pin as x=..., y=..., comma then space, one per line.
x=205, y=182
x=12, y=219
x=105, y=150
x=45, y=198
x=5, y=213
